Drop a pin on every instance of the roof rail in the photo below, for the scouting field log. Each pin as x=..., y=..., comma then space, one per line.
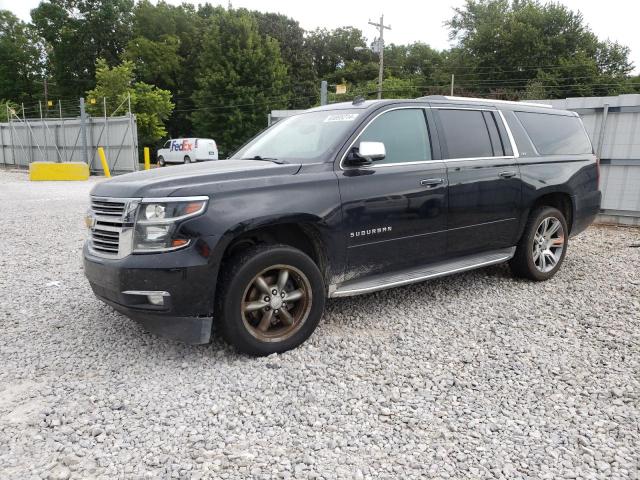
x=485, y=100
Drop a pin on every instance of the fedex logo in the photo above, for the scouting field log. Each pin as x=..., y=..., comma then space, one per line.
x=183, y=146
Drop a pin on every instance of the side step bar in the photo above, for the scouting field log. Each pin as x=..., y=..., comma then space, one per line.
x=419, y=274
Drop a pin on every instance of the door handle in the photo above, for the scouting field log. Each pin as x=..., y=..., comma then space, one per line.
x=508, y=174
x=431, y=182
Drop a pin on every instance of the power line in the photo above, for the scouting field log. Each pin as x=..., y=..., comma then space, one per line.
x=225, y=107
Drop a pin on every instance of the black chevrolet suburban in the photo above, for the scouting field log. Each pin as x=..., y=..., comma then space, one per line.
x=340, y=200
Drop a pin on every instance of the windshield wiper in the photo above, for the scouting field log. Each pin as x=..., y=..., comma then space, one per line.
x=265, y=159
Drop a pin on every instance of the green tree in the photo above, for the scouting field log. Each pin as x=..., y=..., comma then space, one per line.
x=240, y=78
x=8, y=109
x=165, y=47
x=156, y=61
x=505, y=45
x=342, y=54
x=76, y=32
x=296, y=55
x=20, y=62
x=151, y=105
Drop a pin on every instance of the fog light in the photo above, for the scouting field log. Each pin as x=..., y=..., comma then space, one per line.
x=156, y=298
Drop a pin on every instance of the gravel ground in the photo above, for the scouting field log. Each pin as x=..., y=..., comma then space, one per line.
x=473, y=376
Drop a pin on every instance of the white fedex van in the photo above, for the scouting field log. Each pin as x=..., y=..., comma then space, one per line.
x=187, y=150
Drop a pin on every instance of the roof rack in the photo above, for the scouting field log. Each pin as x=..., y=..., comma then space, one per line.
x=485, y=100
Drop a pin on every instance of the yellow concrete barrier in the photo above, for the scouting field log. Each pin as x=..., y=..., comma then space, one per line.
x=103, y=160
x=147, y=159
x=42, y=171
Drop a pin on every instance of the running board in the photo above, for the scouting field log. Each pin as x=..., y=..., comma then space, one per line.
x=418, y=274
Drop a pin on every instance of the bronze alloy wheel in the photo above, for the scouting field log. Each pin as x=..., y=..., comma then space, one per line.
x=276, y=303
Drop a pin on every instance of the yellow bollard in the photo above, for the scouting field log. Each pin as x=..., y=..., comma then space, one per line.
x=147, y=159
x=103, y=160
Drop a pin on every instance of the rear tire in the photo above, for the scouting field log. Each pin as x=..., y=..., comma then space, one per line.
x=161, y=162
x=543, y=245
x=253, y=318
x=187, y=159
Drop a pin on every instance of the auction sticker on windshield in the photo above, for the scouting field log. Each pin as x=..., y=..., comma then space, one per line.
x=342, y=117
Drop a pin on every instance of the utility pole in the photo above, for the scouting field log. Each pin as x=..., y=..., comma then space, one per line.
x=452, y=77
x=83, y=133
x=323, y=92
x=381, y=27
x=46, y=96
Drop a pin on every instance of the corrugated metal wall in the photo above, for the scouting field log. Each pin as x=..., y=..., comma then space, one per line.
x=613, y=123
x=58, y=140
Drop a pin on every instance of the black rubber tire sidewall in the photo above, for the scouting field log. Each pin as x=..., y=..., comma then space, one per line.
x=239, y=271
x=161, y=162
x=187, y=159
x=522, y=263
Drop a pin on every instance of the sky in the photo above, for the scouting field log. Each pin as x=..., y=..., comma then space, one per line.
x=413, y=20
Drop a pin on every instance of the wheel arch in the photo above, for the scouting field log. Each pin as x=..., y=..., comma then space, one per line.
x=563, y=201
x=302, y=231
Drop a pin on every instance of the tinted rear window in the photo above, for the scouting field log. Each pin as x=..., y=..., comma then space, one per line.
x=523, y=142
x=555, y=134
x=465, y=133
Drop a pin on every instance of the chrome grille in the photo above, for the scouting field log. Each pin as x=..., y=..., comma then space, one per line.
x=106, y=241
x=108, y=208
x=112, y=228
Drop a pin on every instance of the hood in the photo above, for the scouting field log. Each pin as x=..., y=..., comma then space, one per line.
x=163, y=182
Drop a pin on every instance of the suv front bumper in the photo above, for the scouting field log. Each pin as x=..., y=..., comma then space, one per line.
x=184, y=278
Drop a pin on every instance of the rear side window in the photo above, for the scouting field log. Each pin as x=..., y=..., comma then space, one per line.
x=555, y=134
x=404, y=134
x=523, y=142
x=465, y=133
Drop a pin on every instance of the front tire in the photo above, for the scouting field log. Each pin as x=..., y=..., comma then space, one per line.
x=543, y=245
x=161, y=162
x=271, y=299
x=187, y=159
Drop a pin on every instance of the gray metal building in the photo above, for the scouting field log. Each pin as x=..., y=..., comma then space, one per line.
x=613, y=123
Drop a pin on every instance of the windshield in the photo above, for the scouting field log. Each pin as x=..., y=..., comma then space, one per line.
x=306, y=137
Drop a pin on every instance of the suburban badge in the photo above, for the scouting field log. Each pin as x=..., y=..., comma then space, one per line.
x=369, y=231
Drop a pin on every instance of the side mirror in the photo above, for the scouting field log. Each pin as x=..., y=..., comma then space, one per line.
x=366, y=153
x=372, y=151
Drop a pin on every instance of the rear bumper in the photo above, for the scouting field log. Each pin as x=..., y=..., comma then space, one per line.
x=185, y=276
x=586, y=208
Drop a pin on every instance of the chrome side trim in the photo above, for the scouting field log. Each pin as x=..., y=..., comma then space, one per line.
x=419, y=162
x=387, y=165
x=512, y=140
x=335, y=292
x=501, y=157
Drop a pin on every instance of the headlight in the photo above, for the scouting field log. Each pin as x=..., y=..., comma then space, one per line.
x=154, y=211
x=156, y=223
